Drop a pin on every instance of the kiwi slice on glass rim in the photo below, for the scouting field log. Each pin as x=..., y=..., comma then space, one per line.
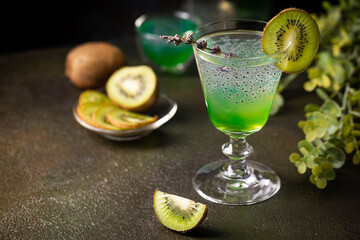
x=133, y=88
x=129, y=120
x=178, y=213
x=295, y=35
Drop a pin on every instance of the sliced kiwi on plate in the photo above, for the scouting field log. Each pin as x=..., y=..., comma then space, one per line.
x=178, y=213
x=92, y=96
x=133, y=88
x=86, y=110
x=99, y=117
x=129, y=120
x=295, y=36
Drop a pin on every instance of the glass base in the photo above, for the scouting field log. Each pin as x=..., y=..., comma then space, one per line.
x=261, y=184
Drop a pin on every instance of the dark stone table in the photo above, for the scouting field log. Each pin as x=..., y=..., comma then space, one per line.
x=60, y=181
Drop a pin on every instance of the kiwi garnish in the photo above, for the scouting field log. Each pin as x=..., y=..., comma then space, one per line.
x=129, y=120
x=178, y=213
x=133, y=88
x=99, y=117
x=295, y=35
x=92, y=96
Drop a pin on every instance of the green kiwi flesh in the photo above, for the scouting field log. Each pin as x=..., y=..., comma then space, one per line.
x=99, y=117
x=295, y=35
x=133, y=88
x=86, y=110
x=92, y=96
x=178, y=213
x=129, y=120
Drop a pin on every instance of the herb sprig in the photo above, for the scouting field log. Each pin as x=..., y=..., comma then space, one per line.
x=202, y=44
x=332, y=130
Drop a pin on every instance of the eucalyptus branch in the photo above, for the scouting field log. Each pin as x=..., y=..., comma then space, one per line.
x=343, y=106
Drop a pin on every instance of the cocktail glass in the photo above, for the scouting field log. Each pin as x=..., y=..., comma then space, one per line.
x=239, y=87
x=155, y=51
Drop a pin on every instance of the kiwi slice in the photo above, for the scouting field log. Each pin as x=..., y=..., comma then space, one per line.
x=99, y=117
x=294, y=34
x=92, y=96
x=178, y=213
x=86, y=110
x=129, y=120
x=133, y=88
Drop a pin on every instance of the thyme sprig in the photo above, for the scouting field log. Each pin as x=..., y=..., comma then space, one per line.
x=202, y=44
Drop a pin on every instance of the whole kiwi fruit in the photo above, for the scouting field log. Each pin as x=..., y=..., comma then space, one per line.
x=90, y=64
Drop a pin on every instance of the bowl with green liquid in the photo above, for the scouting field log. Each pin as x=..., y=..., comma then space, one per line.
x=158, y=53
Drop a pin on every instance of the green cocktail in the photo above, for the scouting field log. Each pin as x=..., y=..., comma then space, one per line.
x=162, y=55
x=239, y=86
x=238, y=99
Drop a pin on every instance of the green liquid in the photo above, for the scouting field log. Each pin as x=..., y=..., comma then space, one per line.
x=158, y=50
x=238, y=99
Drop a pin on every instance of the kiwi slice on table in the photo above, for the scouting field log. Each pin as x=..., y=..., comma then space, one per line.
x=178, y=213
x=92, y=96
x=99, y=117
x=295, y=35
x=133, y=88
x=129, y=120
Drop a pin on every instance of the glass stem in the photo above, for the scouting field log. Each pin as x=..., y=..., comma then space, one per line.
x=237, y=150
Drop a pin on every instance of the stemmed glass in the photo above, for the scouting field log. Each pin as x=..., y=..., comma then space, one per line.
x=239, y=86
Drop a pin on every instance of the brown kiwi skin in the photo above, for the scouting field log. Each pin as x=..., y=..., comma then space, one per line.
x=296, y=9
x=144, y=107
x=201, y=220
x=89, y=65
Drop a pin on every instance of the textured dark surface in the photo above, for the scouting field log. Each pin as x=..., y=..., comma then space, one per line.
x=60, y=181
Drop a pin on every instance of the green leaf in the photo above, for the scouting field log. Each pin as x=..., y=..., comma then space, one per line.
x=311, y=107
x=349, y=148
x=333, y=124
x=313, y=179
x=307, y=145
x=301, y=124
x=301, y=167
x=321, y=183
x=336, y=142
x=336, y=156
x=309, y=86
x=319, y=160
x=326, y=165
x=311, y=136
x=294, y=157
x=331, y=108
x=329, y=174
x=310, y=161
x=356, y=96
x=356, y=158
x=322, y=94
x=317, y=171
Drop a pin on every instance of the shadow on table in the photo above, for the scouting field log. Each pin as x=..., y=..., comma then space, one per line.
x=204, y=232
